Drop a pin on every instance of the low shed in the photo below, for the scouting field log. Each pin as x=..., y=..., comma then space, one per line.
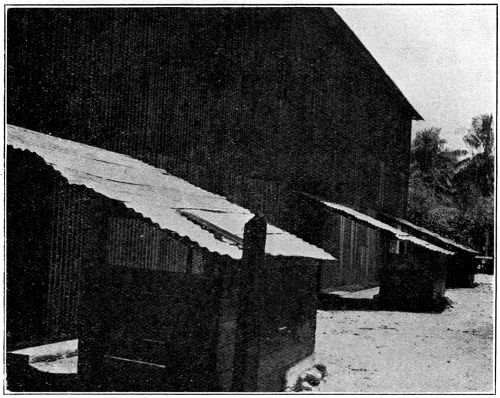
x=461, y=268
x=166, y=286
x=413, y=271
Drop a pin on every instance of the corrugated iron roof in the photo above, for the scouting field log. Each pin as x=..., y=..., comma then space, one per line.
x=425, y=231
x=153, y=193
x=276, y=238
x=377, y=224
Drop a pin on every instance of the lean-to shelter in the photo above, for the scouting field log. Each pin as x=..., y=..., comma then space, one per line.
x=151, y=274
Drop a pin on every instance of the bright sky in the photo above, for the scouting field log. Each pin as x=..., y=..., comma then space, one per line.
x=443, y=58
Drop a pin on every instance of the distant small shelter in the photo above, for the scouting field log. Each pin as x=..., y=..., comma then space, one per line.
x=461, y=268
x=166, y=286
x=413, y=270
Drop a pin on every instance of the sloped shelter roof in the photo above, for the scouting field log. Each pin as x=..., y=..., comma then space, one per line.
x=156, y=195
x=447, y=242
x=379, y=225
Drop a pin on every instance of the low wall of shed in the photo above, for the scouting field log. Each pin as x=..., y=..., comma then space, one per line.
x=461, y=269
x=286, y=309
x=288, y=318
x=48, y=226
x=413, y=280
x=357, y=249
x=164, y=323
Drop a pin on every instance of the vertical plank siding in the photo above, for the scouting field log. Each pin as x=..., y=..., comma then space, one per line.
x=358, y=250
x=29, y=214
x=65, y=261
x=136, y=243
x=288, y=318
x=414, y=279
x=228, y=310
x=168, y=319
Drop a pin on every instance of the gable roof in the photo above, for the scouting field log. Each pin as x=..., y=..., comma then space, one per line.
x=156, y=195
x=335, y=22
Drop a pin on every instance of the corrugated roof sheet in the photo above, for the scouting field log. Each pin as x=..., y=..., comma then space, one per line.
x=425, y=231
x=153, y=193
x=376, y=224
x=234, y=223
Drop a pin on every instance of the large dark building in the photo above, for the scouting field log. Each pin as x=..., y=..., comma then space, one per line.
x=258, y=104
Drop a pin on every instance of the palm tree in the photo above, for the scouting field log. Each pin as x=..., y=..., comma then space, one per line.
x=449, y=195
x=432, y=162
x=431, y=201
x=480, y=136
x=477, y=173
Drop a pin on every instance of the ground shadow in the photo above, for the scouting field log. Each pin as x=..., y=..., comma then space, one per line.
x=332, y=302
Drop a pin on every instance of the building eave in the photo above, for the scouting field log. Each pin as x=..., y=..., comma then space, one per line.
x=335, y=22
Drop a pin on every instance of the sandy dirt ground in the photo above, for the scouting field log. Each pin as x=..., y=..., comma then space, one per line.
x=381, y=351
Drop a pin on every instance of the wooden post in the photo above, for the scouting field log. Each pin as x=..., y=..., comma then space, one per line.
x=246, y=357
x=93, y=308
x=319, y=274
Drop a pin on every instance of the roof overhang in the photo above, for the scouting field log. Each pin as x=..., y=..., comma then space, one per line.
x=169, y=202
x=445, y=242
x=373, y=223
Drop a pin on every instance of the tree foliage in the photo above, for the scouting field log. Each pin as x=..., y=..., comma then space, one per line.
x=450, y=196
x=480, y=136
x=432, y=162
x=426, y=149
x=476, y=224
x=479, y=169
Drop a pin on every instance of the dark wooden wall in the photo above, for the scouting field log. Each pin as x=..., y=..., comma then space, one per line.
x=288, y=317
x=250, y=103
x=56, y=233
x=49, y=228
x=358, y=249
x=29, y=225
x=413, y=278
x=50, y=225
x=166, y=320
